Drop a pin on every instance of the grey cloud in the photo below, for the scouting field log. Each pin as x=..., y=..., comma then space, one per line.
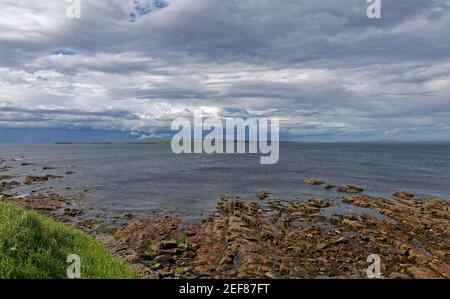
x=321, y=66
x=16, y=117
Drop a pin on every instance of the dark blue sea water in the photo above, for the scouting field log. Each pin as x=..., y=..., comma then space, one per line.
x=135, y=178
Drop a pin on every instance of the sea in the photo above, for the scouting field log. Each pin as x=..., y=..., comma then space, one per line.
x=150, y=178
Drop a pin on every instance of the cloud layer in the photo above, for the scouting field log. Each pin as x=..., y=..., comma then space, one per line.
x=325, y=69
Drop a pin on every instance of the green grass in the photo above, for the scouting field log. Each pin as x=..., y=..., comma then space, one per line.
x=35, y=246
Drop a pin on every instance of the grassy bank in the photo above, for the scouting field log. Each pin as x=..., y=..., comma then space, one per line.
x=35, y=246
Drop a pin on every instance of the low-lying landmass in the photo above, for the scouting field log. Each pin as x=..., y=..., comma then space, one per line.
x=262, y=237
x=163, y=141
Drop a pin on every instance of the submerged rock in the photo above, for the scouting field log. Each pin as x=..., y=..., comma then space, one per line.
x=6, y=186
x=31, y=179
x=327, y=186
x=313, y=182
x=263, y=195
x=349, y=189
x=26, y=164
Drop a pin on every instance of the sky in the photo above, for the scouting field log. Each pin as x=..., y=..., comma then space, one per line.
x=127, y=68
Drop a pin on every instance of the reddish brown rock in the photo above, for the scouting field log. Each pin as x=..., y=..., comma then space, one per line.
x=142, y=232
x=421, y=272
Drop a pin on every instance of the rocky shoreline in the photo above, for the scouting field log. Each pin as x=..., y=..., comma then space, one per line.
x=264, y=237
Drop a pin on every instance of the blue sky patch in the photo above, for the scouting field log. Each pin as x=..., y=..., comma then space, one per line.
x=144, y=7
x=65, y=52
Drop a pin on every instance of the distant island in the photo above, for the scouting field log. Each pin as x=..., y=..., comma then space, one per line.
x=115, y=142
x=163, y=141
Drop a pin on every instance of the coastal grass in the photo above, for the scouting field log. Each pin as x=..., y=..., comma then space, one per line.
x=33, y=246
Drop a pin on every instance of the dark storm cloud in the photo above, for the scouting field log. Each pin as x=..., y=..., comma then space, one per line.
x=114, y=114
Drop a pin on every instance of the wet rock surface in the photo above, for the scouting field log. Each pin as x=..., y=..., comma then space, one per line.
x=31, y=179
x=327, y=186
x=281, y=239
x=263, y=195
x=349, y=189
x=6, y=186
x=313, y=182
x=267, y=237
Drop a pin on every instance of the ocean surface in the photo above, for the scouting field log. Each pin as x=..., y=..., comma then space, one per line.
x=144, y=178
